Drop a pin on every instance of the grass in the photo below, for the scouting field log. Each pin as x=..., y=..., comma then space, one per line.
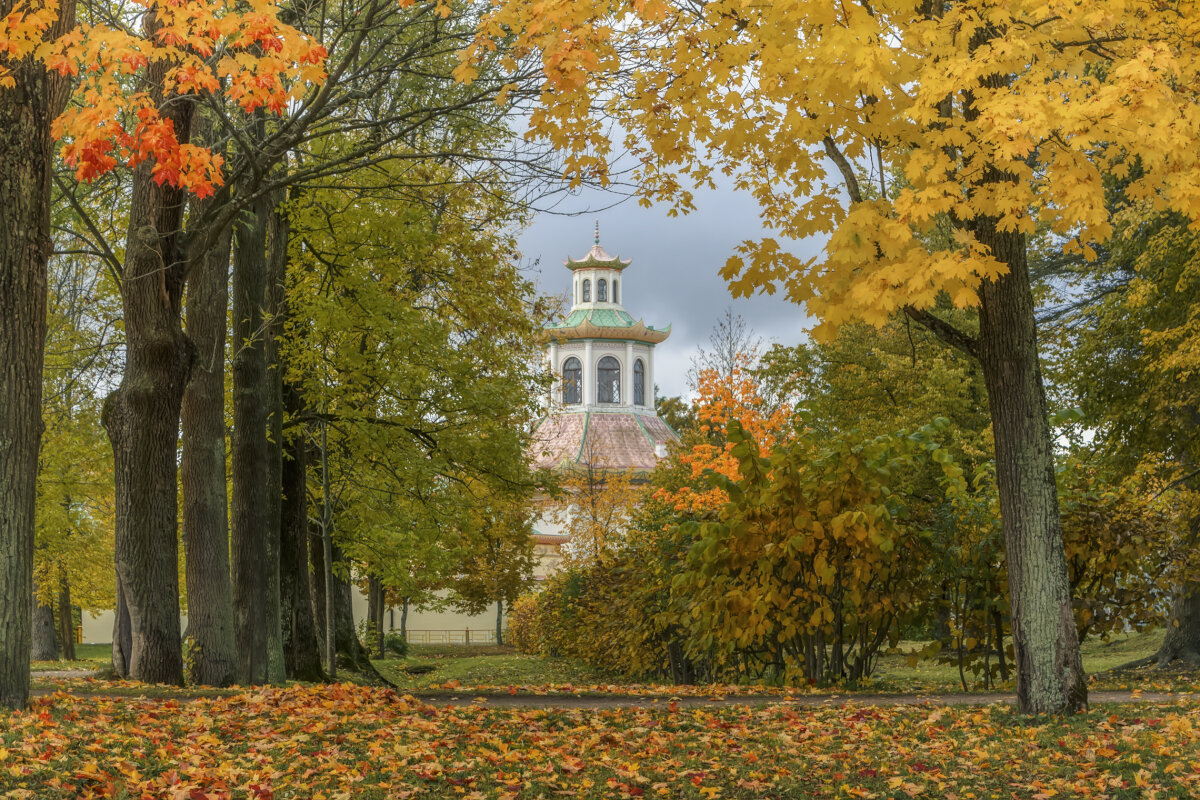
x=437, y=668
x=432, y=666
x=87, y=656
x=1098, y=657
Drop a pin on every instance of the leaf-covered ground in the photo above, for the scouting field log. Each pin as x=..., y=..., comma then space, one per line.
x=356, y=742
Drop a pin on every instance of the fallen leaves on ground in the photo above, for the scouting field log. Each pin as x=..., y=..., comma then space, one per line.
x=369, y=744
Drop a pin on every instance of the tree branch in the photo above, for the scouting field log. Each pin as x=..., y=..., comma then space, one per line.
x=944, y=330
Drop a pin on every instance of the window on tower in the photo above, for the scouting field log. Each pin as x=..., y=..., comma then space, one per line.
x=639, y=382
x=602, y=291
x=608, y=380
x=615, y=298
x=572, y=385
x=587, y=291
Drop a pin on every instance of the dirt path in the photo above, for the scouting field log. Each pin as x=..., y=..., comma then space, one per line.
x=607, y=702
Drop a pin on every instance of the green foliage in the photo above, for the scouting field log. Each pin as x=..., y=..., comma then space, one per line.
x=413, y=341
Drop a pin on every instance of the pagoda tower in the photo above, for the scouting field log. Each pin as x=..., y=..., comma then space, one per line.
x=600, y=408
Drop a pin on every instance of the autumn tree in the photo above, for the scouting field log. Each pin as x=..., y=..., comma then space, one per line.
x=1000, y=118
x=31, y=96
x=594, y=503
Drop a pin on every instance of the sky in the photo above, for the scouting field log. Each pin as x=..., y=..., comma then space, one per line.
x=674, y=278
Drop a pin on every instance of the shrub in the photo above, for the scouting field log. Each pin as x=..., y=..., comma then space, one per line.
x=523, y=625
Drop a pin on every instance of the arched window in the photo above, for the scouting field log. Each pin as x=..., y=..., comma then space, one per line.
x=572, y=384
x=602, y=291
x=608, y=380
x=587, y=291
x=639, y=382
x=615, y=298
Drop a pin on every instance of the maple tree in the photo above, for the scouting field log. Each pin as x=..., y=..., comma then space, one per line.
x=733, y=395
x=999, y=117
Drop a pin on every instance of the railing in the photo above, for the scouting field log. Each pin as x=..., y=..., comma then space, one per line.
x=464, y=636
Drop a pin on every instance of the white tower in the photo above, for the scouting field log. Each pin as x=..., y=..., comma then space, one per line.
x=601, y=405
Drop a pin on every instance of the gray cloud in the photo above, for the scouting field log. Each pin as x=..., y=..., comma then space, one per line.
x=674, y=278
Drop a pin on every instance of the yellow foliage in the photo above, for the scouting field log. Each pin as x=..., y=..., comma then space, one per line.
x=1000, y=113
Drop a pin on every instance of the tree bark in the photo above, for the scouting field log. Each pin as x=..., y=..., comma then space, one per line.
x=45, y=637
x=302, y=655
x=66, y=617
x=328, y=623
x=500, y=621
x=212, y=653
x=278, y=232
x=122, y=636
x=27, y=110
x=319, y=578
x=345, y=636
x=251, y=503
x=1050, y=677
x=1182, y=641
x=404, y=619
x=142, y=415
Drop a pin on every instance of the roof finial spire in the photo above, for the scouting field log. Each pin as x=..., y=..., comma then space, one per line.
x=597, y=240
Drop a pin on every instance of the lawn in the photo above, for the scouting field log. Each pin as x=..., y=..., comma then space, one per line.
x=87, y=656
x=488, y=669
x=433, y=666
x=369, y=744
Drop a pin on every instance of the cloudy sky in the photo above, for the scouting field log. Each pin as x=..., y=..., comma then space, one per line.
x=674, y=276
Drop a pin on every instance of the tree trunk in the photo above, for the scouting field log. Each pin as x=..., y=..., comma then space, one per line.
x=251, y=503
x=500, y=621
x=122, y=637
x=212, y=655
x=404, y=620
x=1049, y=668
x=66, y=618
x=346, y=637
x=302, y=655
x=1183, y=628
x=27, y=109
x=375, y=614
x=45, y=637
x=277, y=249
x=142, y=415
x=328, y=591
x=318, y=579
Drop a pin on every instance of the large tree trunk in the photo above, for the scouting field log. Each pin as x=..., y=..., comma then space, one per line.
x=302, y=655
x=142, y=421
x=45, y=637
x=1182, y=641
x=66, y=617
x=142, y=415
x=213, y=655
x=251, y=503
x=27, y=109
x=1050, y=677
